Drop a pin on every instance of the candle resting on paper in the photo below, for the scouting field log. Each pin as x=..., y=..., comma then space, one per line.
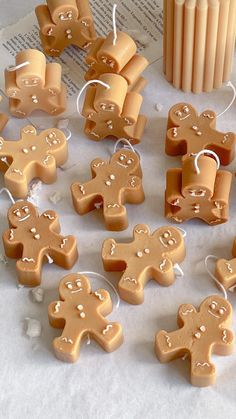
x=199, y=39
x=63, y=23
x=33, y=84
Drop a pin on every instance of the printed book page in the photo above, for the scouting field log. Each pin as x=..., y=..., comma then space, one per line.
x=142, y=19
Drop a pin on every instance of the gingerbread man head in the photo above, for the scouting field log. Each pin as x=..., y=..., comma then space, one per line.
x=170, y=239
x=32, y=74
x=182, y=112
x=216, y=308
x=72, y=285
x=126, y=159
x=20, y=212
x=62, y=11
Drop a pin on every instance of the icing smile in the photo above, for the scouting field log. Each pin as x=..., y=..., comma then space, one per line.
x=24, y=218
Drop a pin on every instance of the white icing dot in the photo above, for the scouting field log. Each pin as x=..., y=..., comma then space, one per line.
x=33, y=230
x=108, y=183
x=112, y=177
x=139, y=254
x=82, y=315
x=80, y=307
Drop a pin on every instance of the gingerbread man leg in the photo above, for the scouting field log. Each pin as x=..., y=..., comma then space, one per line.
x=17, y=108
x=131, y=286
x=63, y=250
x=67, y=346
x=29, y=267
x=203, y=372
x=115, y=215
x=108, y=335
x=16, y=180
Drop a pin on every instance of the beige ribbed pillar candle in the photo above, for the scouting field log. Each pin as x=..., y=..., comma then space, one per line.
x=199, y=40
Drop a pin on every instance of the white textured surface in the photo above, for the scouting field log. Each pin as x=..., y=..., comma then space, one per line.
x=129, y=383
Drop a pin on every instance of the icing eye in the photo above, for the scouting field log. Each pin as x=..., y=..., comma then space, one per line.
x=178, y=113
x=222, y=310
x=166, y=234
x=111, y=107
x=78, y=283
x=26, y=210
x=18, y=214
x=171, y=242
x=69, y=15
x=213, y=305
x=185, y=109
x=26, y=82
x=69, y=285
x=130, y=161
x=122, y=157
x=103, y=106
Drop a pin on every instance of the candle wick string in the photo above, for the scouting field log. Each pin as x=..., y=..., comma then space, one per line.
x=17, y=67
x=85, y=87
x=9, y=194
x=96, y=275
x=114, y=24
x=202, y=152
x=229, y=84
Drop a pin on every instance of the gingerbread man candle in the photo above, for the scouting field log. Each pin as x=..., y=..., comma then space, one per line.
x=80, y=312
x=33, y=84
x=113, y=183
x=63, y=23
x=113, y=111
x=120, y=57
x=32, y=237
x=188, y=133
x=201, y=333
x=147, y=256
x=30, y=157
x=192, y=194
x=225, y=270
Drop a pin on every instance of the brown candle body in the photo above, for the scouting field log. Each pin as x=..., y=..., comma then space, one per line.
x=199, y=39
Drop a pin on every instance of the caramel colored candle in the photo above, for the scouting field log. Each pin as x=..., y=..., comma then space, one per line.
x=199, y=39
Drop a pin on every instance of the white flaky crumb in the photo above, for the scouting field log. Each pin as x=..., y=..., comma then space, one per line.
x=37, y=294
x=33, y=327
x=158, y=107
x=63, y=124
x=3, y=259
x=55, y=197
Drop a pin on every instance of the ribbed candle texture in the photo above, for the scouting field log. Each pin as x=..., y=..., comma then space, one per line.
x=198, y=43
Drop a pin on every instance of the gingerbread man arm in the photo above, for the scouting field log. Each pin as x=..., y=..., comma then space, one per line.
x=114, y=255
x=134, y=189
x=226, y=272
x=45, y=21
x=96, y=166
x=224, y=342
x=169, y=346
x=12, y=243
x=186, y=312
x=56, y=314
